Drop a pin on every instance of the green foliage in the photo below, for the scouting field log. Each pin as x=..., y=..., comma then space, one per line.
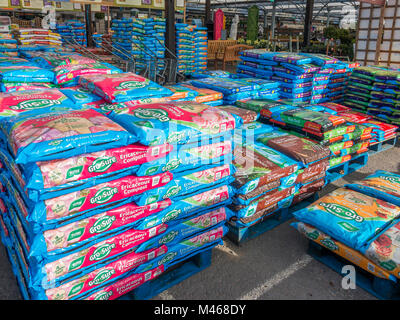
x=258, y=43
x=345, y=36
x=315, y=48
x=99, y=15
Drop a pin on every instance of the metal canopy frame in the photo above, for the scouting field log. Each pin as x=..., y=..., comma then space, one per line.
x=331, y=10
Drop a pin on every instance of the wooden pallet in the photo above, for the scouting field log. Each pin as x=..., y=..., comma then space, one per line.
x=239, y=235
x=343, y=169
x=380, y=288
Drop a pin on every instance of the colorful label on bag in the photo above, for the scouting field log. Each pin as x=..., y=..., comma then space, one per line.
x=100, y=251
x=100, y=276
x=58, y=172
x=104, y=193
x=13, y=103
x=86, y=228
x=125, y=285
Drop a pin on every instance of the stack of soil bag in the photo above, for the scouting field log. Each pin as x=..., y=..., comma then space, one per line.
x=381, y=131
x=238, y=89
x=143, y=39
x=319, y=125
x=67, y=75
x=29, y=37
x=214, y=73
x=124, y=38
x=385, y=96
x=78, y=30
x=46, y=69
x=330, y=80
x=375, y=90
x=274, y=170
x=185, y=48
x=359, y=222
x=65, y=32
x=153, y=42
x=303, y=78
x=8, y=45
x=200, y=50
x=94, y=205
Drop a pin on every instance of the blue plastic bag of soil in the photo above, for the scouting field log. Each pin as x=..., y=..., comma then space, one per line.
x=62, y=134
x=191, y=182
x=25, y=73
x=383, y=185
x=189, y=157
x=350, y=217
x=174, y=122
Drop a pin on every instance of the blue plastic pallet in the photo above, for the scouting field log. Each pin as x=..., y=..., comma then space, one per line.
x=13, y=259
x=343, y=169
x=380, y=288
x=382, y=146
x=239, y=235
x=171, y=277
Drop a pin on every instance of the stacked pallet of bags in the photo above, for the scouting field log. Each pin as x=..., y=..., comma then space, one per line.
x=153, y=42
x=31, y=51
x=185, y=48
x=330, y=80
x=303, y=78
x=274, y=170
x=78, y=220
x=65, y=32
x=122, y=37
x=318, y=124
x=339, y=80
x=381, y=131
x=385, y=96
x=238, y=89
x=294, y=72
x=200, y=162
x=375, y=90
x=29, y=37
x=358, y=93
x=345, y=139
x=61, y=69
x=200, y=51
x=90, y=208
x=8, y=45
x=78, y=30
x=256, y=63
x=72, y=31
x=215, y=73
x=359, y=222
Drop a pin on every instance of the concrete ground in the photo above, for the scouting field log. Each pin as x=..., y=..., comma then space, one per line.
x=274, y=265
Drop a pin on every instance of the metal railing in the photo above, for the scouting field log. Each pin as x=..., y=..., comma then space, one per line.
x=158, y=69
